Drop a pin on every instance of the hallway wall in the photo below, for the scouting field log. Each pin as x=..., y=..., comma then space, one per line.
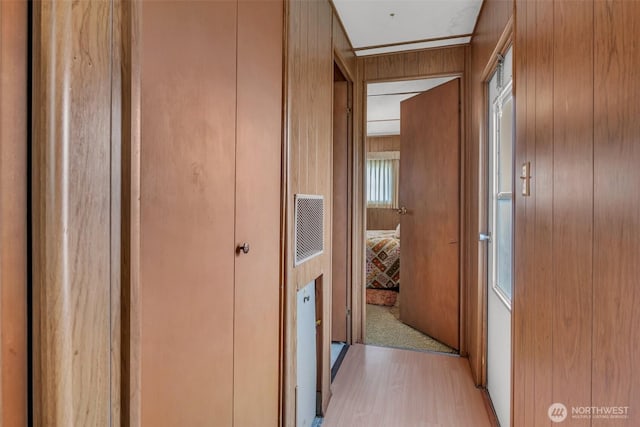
x=13, y=213
x=314, y=34
x=576, y=280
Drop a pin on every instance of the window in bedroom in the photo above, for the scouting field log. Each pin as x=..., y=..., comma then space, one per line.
x=382, y=179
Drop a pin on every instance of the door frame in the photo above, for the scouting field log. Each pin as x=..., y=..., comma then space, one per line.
x=463, y=192
x=504, y=43
x=352, y=255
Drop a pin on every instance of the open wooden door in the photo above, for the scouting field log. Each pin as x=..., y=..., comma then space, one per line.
x=429, y=190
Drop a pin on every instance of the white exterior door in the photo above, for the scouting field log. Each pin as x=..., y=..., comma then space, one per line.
x=500, y=239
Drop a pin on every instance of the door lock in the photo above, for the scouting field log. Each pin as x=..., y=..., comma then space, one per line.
x=243, y=248
x=402, y=210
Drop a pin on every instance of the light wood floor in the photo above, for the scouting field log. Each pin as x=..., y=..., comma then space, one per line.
x=384, y=387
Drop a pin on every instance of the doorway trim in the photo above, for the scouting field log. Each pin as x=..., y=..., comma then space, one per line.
x=504, y=43
x=339, y=63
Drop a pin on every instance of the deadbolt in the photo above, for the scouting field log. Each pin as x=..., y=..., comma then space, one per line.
x=244, y=248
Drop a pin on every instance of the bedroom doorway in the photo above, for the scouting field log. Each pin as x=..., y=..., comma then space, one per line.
x=412, y=178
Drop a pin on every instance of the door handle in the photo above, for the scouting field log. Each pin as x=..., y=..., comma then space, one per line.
x=243, y=248
x=485, y=237
x=402, y=210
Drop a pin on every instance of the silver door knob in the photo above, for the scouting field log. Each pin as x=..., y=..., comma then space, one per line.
x=402, y=210
x=244, y=248
x=485, y=237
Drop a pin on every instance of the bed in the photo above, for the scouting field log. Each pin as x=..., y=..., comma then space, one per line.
x=383, y=259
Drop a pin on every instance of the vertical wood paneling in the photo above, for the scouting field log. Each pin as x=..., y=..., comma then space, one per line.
x=188, y=144
x=540, y=231
x=616, y=294
x=71, y=197
x=579, y=129
x=522, y=348
x=13, y=213
x=571, y=301
x=308, y=109
x=257, y=211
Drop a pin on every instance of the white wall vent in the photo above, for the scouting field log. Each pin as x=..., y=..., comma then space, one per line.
x=309, y=227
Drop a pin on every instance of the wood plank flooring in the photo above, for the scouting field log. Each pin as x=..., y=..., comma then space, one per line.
x=384, y=387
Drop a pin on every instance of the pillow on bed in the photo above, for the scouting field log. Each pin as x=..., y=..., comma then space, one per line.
x=397, y=233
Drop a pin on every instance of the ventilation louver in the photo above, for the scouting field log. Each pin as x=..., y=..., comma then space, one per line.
x=309, y=227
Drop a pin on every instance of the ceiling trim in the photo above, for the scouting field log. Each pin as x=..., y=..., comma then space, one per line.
x=434, y=39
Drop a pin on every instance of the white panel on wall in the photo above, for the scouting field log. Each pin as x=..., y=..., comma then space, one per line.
x=306, y=356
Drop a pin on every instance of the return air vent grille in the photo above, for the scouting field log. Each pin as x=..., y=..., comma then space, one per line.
x=309, y=227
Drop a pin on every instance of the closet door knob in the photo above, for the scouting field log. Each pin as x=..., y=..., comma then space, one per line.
x=244, y=248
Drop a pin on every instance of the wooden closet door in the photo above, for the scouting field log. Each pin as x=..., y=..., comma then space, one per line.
x=188, y=102
x=258, y=202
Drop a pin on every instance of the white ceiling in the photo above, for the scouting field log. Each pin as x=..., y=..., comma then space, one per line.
x=383, y=102
x=372, y=23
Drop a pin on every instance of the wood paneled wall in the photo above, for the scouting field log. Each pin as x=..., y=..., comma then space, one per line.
x=616, y=216
x=382, y=219
x=493, y=20
x=73, y=198
x=13, y=213
x=314, y=35
x=405, y=65
x=383, y=143
x=575, y=292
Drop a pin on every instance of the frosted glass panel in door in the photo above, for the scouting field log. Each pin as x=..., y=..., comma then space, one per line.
x=503, y=183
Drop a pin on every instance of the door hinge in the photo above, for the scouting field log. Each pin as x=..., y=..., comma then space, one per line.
x=349, y=111
x=348, y=311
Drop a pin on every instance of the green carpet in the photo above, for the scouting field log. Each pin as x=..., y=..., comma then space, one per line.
x=385, y=329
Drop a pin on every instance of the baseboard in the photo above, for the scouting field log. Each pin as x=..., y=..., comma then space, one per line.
x=488, y=404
